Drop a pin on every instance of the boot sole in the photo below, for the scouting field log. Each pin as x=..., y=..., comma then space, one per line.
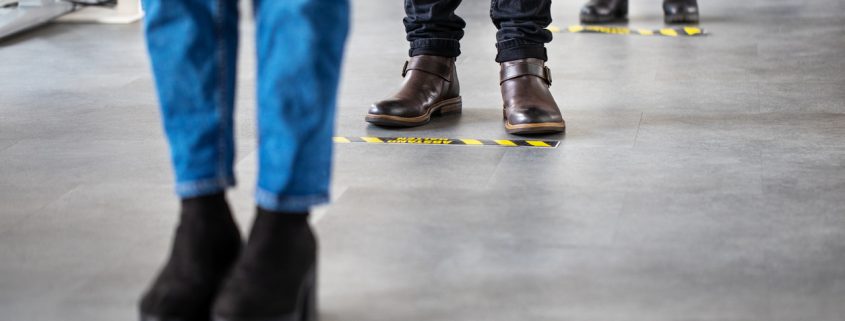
x=603, y=19
x=681, y=18
x=533, y=129
x=448, y=106
x=146, y=317
x=306, y=303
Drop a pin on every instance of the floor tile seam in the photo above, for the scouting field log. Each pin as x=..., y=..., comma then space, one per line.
x=803, y=113
x=118, y=262
x=35, y=212
x=637, y=134
x=474, y=187
x=320, y=214
x=88, y=141
x=76, y=186
x=618, y=220
x=491, y=179
x=803, y=82
x=406, y=189
x=680, y=146
x=19, y=221
x=758, y=97
x=760, y=173
x=15, y=142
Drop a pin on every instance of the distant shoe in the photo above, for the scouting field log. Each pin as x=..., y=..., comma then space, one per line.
x=680, y=11
x=275, y=278
x=529, y=107
x=206, y=244
x=604, y=11
x=430, y=88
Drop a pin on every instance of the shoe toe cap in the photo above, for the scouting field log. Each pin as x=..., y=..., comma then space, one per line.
x=595, y=11
x=534, y=115
x=392, y=108
x=677, y=8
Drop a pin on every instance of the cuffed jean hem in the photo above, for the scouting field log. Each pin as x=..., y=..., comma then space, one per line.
x=204, y=187
x=520, y=49
x=288, y=203
x=435, y=47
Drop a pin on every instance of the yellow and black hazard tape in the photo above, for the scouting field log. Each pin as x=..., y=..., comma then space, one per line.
x=448, y=141
x=616, y=30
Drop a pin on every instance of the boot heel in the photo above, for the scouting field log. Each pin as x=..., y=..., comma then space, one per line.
x=451, y=106
x=309, y=297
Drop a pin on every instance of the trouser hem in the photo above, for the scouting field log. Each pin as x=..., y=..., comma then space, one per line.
x=435, y=47
x=204, y=187
x=288, y=203
x=520, y=49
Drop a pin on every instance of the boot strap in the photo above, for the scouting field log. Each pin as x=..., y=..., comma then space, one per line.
x=526, y=69
x=438, y=69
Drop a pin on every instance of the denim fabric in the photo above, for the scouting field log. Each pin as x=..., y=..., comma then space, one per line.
x=193, y=48
x=433, y=28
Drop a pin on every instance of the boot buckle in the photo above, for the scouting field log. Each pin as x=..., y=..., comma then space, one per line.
x=547, y=74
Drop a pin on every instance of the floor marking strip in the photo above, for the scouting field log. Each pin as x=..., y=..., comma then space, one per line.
x=448, y=141
x=472, y=142
x=537, y=143
x=668, y=32
x=687, y=31
x=505, y=142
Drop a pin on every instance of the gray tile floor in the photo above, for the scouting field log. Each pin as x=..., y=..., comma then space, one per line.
x=699, y=178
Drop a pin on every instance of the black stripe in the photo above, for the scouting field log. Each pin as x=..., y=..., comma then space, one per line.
x=521, y=143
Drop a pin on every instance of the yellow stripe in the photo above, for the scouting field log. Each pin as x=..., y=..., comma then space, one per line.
x=692, y=30
x=537, y=143
x=576, y=28
x=553, y=28
x=472, y=142
x=646, y=32
x=444, y=141
x=505, y=142
x=669, y=32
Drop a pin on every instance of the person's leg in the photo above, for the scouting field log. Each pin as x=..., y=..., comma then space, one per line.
x=430, y=85
x=522, y=28
x=433, y=28
x=192, y=46
x=300, y=47
x=529, y=107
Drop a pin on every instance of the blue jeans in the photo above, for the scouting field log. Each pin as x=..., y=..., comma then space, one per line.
x=193, y=46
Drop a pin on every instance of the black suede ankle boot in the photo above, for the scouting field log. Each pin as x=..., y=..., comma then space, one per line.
x=206, y=244
x=275, y=278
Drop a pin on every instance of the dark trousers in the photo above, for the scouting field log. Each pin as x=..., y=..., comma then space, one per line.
x=434, y=29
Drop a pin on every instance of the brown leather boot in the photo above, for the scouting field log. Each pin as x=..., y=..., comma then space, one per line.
x=430, y=88
x=529, y=107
